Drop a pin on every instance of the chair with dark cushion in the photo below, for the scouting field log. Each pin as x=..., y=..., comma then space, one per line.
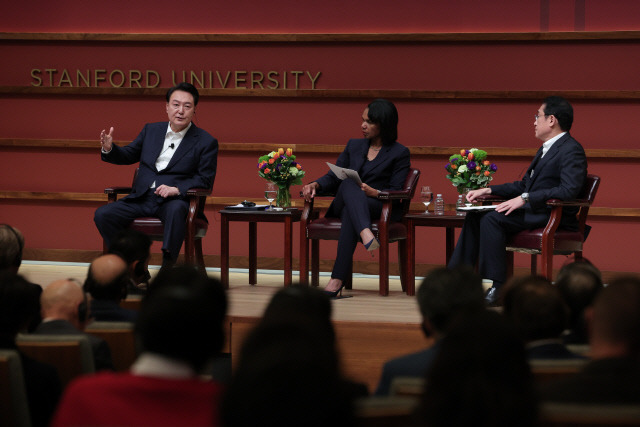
x=14, y=409
x=552, y=240
x=196, y=229
x=313, y=228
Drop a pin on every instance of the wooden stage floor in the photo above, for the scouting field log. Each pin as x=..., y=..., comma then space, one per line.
x=370, y=329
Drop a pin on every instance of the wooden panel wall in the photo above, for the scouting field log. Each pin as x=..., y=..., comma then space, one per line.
x=461, y=75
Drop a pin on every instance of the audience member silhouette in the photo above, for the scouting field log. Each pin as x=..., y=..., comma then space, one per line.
x=579, y=283
x=42, y=382
x=134, y=247
x=11, y=249
x=480, y=377
x=443, y=294
x=65, y=312
x=107, y=282
x=288, y=372
x=179, y=330
x=613, y=375
x=537, y=311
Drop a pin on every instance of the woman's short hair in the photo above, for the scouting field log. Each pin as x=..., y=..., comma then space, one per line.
x=383, y=113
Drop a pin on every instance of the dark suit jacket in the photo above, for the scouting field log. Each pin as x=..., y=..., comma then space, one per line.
x=193, y=165
x=100, y=348
x=110, y=311
x=560, y=174
x=389, y=171
x=410, y=365
x=554, y=351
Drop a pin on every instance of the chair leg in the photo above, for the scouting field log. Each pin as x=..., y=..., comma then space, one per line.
x=547, y=265
x=199, y=254
x=304, y=260
x=189, y=251
x=384, y=266
x=534, y=264
x=509, y=264
x=315, y=262
x=402, y=267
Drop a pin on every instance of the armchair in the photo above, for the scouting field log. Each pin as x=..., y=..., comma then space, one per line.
x=196, y=224
x=314, y=229
x=551, y=240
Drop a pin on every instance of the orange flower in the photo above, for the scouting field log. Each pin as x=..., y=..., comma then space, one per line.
x=280, y=151
x=463, y=152
x=275, y=155
x=271, y=161
x=478, y=168
x=454, y=166
x=470, y=156
x=487, y=173
x=486, y=163
x=289, y=152
x=477, y=173
x=299, y=167
x=267, y=170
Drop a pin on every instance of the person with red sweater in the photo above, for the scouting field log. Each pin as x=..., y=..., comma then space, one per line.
x=179, y=330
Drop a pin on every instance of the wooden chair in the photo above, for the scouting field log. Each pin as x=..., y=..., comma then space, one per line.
x=71, y=355
x=120, y=338
x=407, y=386
x=553, y=369
x=196, y=224
x=387, y=411
x=14, y=409
x=551, y=240
x=588, y=415
x=315, y=229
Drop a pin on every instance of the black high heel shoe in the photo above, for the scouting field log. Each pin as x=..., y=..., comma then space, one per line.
x=334, y=294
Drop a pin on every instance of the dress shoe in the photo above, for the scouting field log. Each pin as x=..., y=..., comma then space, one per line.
x=491, y=297
x=334, y=294
x=372, y=245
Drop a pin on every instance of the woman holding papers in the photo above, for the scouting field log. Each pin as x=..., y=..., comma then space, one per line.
x=381, y=163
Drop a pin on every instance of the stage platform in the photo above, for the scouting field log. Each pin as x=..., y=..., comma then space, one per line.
x=370, y=329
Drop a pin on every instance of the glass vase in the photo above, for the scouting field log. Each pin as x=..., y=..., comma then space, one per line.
x=283, y=198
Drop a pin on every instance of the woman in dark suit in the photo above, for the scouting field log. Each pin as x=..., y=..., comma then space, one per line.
x=382, y=164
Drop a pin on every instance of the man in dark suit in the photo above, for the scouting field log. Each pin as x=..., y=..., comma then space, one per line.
x=536, y=309
x=613, y=375
x=65, y=312
x=174, y=157
x=558, y=171
x=443, y=295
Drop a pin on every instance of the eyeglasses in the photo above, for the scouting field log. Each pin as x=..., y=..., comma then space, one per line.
x=539, y=115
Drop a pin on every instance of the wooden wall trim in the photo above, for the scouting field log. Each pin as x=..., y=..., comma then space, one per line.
x=242, y=147
x=327, y=38
x=477, y=95
x=220, y=202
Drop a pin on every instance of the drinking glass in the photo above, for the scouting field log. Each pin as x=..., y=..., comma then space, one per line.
x=464, y=196
x=426, y=196
x=270, y=193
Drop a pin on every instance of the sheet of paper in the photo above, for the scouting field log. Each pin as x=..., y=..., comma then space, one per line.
x=343, y=173
x=477, y=208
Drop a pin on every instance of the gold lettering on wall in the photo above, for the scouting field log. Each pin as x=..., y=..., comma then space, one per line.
x=202, y=79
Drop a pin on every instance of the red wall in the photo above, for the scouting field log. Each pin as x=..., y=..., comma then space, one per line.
x=464, y=66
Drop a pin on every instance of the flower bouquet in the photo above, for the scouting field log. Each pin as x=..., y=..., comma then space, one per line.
x=281, y=168
x=470, y=170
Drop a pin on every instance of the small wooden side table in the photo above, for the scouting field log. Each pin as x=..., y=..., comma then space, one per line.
x=449, y=220
x=287, y=217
